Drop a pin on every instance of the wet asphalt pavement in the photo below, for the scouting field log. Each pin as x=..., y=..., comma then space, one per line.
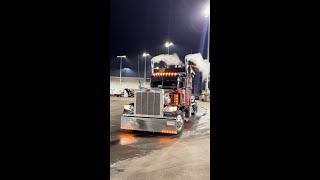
x=129, y=144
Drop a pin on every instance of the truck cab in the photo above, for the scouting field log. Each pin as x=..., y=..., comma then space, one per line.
x=165, y=106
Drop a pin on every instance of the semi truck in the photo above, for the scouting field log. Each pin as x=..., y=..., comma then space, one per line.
x=166, y=105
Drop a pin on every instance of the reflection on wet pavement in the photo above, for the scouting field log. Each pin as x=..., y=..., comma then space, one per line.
x=126, y=138
x=126, y=144
x=137, y=143
x=164, y=140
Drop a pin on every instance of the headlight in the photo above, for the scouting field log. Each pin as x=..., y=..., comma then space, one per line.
x=128, y=107
x=167, y=99
x=170, y=109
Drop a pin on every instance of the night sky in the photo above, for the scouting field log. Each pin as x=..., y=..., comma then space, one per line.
x=145, y=25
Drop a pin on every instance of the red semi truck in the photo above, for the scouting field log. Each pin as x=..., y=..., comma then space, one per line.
x=166, y=106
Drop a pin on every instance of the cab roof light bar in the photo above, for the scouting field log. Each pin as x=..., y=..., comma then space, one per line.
x=165, y=74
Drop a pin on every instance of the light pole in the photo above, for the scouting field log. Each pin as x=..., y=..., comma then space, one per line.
x=168, y=44
x=121, y=66
x=145, y=67
x=207, y=15
x=138, y=66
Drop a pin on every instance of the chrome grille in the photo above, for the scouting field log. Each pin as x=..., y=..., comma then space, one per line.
x=148, y=103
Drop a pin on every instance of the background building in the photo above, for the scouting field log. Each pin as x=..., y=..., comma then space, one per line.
x=126, y=82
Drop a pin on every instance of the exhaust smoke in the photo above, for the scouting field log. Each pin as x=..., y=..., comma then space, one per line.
x=168, y=59
x=202, y=65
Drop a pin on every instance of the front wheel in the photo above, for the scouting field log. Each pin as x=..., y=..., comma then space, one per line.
x=188, y=113
x=180, y=122
x=194, y=109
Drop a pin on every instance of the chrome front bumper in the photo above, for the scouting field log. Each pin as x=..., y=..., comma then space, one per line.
x=163, y=125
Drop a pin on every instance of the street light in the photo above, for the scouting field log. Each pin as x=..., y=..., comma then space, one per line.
x=121, y=66
x=145, y=67
x=168, y=44
x=206, y=11
x=125, y=70
x=207, y=15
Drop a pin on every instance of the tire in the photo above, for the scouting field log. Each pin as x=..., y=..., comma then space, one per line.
x=195, y=109
x=188, y=113
x=180, y=122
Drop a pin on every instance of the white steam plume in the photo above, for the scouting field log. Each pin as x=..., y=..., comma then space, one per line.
x=168, y=59
x=202, y=65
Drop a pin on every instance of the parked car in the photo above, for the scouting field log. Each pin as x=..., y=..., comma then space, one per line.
x=130, y=92
x=117, y=93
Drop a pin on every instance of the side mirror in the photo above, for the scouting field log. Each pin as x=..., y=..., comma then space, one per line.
x=192, y=98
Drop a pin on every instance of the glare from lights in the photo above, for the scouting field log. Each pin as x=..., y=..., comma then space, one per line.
x=206, y=11
x=145, y=54
x=168, y=44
